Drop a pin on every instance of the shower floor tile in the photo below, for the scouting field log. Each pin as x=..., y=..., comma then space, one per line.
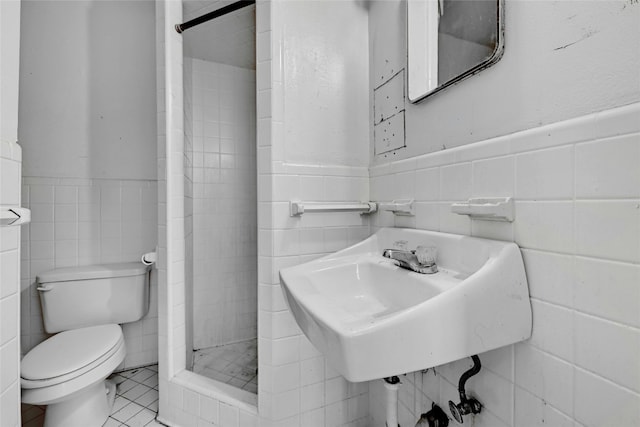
x=136, y=402
x=235, y=364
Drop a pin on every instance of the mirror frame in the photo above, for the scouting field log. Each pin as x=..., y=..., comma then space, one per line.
x=423, y=46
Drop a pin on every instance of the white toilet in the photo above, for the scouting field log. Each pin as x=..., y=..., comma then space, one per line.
x=68, y=371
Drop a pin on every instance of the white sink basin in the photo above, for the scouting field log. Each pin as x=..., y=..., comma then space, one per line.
x=373, y=319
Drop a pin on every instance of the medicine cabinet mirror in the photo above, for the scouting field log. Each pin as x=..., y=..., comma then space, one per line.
x=450, y=40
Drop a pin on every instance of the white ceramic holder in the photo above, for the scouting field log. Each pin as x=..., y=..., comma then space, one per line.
x=488, y=209
x=402, y=207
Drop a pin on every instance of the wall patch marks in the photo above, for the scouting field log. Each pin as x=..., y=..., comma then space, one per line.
x=388, y=114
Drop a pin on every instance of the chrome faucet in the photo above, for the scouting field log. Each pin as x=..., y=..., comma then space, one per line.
x=422, y=260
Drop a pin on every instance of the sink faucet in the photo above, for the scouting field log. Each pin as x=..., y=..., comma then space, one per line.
x=421, y=260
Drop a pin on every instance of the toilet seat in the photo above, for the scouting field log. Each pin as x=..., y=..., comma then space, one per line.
x=70, y=354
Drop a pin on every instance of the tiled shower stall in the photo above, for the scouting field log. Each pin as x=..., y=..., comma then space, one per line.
x=289, y=365
x=220, y=126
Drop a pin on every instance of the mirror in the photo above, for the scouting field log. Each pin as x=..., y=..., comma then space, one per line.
x=450, y=40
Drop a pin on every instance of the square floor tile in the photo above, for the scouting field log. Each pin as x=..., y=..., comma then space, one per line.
x=153, y=406
x=127, y=412
x=112, y=422
x=151, y=381
x=136, y=392
x=119, y=403
x=142, y=418
x=235, y=364
x=147, y=398
x=142, y=375
x=125, y=386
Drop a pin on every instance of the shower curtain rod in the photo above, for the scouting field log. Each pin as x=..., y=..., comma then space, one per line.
x=215, y=14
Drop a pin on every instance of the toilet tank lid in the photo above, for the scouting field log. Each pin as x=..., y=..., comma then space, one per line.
x=88, y=272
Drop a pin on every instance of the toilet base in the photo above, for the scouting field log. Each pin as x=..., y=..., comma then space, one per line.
x=90, y=408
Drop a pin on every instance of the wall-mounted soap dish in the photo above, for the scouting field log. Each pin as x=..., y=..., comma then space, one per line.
x=488, y=208
x=402, y=207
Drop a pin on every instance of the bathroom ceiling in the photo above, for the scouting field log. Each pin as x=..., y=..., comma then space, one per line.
x=229, y=39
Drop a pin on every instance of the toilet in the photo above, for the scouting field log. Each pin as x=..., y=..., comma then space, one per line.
x=84, y=307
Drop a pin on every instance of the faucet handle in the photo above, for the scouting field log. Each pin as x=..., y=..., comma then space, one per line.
x=426, y=254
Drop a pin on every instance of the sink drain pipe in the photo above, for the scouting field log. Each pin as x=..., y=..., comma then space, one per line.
x=392, y=384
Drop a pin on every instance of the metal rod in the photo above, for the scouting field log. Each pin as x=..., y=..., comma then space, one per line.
x=214, y=14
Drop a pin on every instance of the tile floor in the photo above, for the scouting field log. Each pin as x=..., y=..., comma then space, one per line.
x=235, y=364
x=136, y=403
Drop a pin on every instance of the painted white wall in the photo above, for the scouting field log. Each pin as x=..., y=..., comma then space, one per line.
x=10, y=169
x=87, y=104
x=562, y=60
x=9, y=69
x=327, y=76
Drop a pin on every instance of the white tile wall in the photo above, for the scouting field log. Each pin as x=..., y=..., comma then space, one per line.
x=164, y=351
x=578, y=224
x=188, y=156
x=313, y=394
x=281, y=346
x=10, y=168
x=85, y=222
x=222, y=127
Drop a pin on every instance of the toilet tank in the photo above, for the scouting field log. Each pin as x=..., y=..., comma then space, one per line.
x=77, y=297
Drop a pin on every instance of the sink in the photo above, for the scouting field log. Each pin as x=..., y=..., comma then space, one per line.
x=373, y=319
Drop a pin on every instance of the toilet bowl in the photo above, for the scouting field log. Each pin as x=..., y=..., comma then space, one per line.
x=68, y=371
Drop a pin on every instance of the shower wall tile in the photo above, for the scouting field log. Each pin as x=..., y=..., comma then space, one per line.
x=223, y=234
x=577, y=223
x=84, y=222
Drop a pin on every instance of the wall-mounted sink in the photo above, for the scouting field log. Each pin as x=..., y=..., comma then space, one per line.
x=373, y=319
